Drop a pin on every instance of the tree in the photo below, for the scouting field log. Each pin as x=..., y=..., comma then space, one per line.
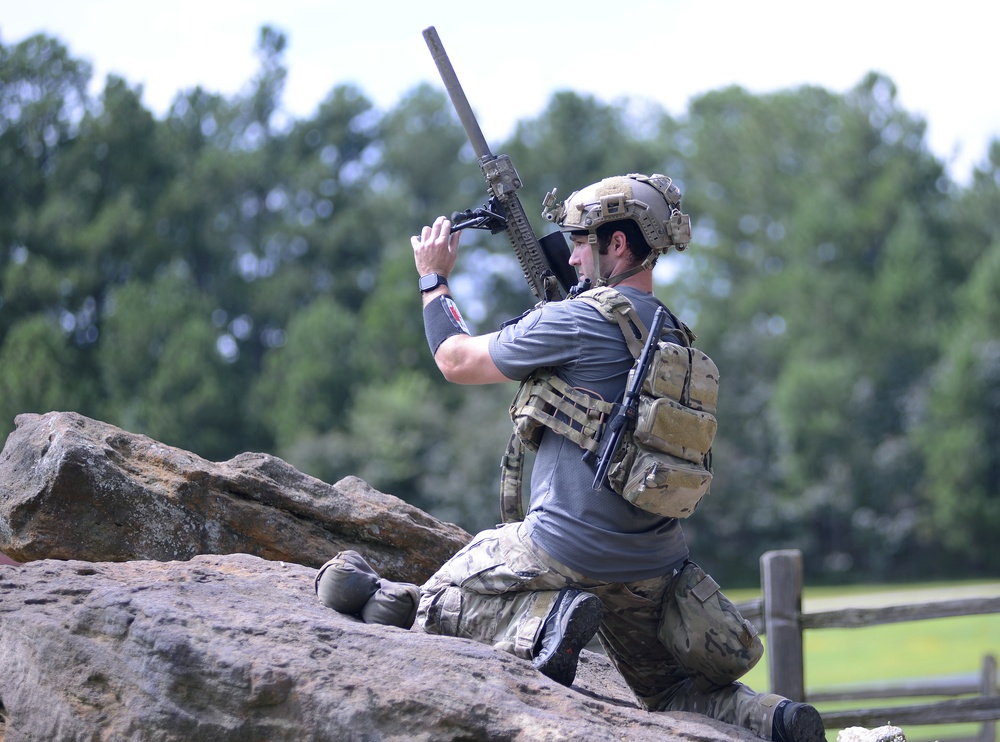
x=230, y=279
x=959, y=436
x=71, y=214
x=305, y=385
x=34, y=354
x=813, y=217
x=43, y=96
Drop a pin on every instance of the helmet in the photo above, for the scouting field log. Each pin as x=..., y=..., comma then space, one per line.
x=652, y=201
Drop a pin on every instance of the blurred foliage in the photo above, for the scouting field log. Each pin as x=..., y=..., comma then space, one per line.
x=229, y=279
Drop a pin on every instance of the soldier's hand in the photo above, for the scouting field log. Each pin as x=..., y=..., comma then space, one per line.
x=436, y=249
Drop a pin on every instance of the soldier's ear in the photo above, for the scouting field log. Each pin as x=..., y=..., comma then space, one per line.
x=619, y=242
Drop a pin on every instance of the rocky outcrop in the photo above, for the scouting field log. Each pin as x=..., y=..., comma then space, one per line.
x=76, y=488
x=237, y=649
x=164, y=597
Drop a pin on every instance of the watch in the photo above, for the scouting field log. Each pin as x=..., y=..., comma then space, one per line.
x=431, y=281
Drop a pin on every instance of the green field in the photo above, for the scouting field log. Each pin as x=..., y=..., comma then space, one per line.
x=917, y=649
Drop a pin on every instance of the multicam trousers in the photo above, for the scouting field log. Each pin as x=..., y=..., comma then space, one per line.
x=500, y=587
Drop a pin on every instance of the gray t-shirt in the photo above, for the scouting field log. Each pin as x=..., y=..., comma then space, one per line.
x=596, y=532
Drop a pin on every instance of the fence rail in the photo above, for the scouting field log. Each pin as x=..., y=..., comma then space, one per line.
x=778, y=614
x=853, y=618
x=957, y=685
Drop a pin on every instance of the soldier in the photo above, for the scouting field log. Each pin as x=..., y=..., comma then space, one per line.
x=584, y=560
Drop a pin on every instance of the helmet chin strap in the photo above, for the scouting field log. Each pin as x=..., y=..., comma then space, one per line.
x=600, y=280
x=595, y=252
x=619, y=277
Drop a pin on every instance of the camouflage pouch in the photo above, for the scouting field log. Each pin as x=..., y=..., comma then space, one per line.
x=658, y=482
x=705, y=632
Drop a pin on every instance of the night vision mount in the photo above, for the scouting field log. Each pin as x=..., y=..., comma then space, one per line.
x=489, y=216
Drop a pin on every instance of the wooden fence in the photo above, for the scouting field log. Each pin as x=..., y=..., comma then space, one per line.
x=778, y=614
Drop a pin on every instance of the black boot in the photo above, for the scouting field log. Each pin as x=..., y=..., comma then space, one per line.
x=570, y=625
x=797, y=722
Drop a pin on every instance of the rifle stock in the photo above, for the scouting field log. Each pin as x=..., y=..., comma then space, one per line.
x=502, y=182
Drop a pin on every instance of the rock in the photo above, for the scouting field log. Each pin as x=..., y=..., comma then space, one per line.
x=234, y=648
x=76, y=488
x=879, y=734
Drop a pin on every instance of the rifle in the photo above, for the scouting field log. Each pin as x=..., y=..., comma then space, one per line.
x=545, y=262
x=625, y=412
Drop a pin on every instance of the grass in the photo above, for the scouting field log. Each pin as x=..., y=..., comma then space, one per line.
x=912, y=650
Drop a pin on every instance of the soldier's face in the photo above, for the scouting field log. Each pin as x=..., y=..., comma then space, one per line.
x=582, y=257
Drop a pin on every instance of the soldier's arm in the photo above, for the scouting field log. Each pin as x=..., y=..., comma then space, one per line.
x=461, y=357
x=465, y=359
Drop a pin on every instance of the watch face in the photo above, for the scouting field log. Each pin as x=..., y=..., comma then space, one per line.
x=431, y=281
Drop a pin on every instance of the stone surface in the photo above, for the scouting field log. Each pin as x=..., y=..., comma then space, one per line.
x=236, y=648
x=879, y=734
x=76, y=488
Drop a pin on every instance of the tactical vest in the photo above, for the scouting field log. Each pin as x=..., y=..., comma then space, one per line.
x=664, y=464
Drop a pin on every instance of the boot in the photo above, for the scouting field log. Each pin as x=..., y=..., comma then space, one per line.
x=570, y=625
x=797, y=722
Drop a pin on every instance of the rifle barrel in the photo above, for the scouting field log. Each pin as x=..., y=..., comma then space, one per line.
x=457, y=95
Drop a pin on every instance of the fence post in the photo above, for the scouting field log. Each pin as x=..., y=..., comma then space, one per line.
x=988, y=687
x=781, y=586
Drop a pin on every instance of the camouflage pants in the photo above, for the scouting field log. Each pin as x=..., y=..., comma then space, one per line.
x=500, y=587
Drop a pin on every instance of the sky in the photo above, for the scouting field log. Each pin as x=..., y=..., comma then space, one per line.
x=510, y=56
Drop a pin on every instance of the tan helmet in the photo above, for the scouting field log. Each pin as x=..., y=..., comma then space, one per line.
x=651, y=201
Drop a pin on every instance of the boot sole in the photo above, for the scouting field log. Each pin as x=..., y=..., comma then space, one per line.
x=806, y=725
x=580, y=629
